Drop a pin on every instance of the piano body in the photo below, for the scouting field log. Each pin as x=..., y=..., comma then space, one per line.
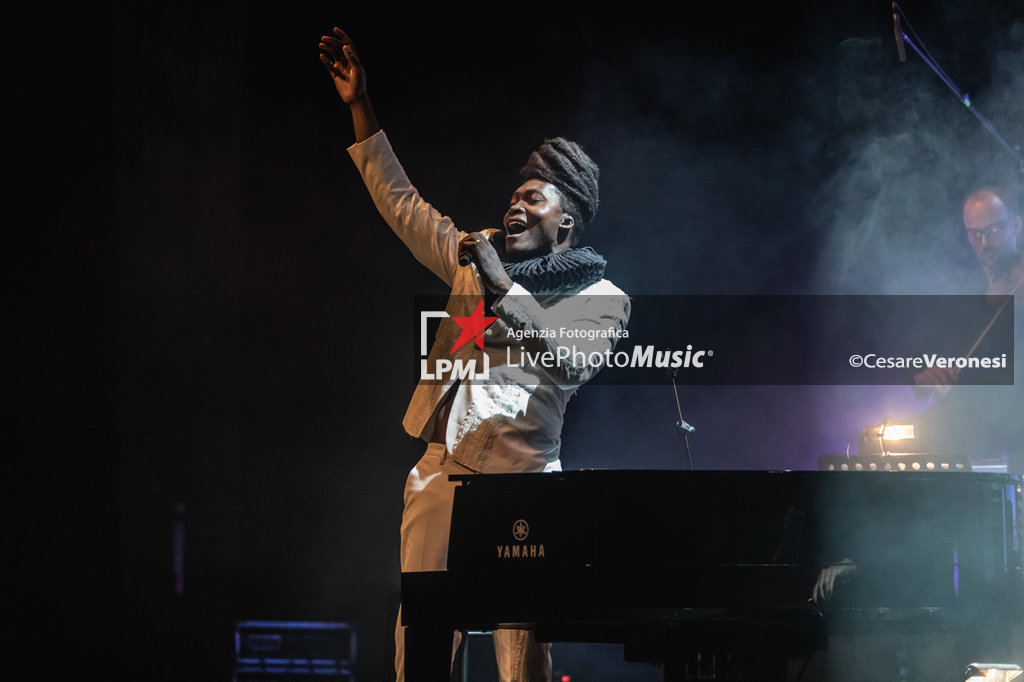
x=670, y=563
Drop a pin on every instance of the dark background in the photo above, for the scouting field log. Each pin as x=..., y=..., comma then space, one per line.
x=214, y=315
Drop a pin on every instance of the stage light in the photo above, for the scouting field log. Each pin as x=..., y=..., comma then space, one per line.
x=888, y=439
x=893, y=446
x=891, y=432
x=992, y=672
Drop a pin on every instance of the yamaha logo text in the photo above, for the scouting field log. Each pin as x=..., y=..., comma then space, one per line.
x=520, y=550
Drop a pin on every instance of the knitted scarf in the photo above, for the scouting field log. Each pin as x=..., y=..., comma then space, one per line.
x=559, y=272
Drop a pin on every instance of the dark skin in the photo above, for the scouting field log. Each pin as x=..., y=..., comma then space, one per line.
x=535, y=224
x=339, y=57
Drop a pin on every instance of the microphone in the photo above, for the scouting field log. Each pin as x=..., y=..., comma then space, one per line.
x=465, y=257
x=898, y=32
x=683, y=426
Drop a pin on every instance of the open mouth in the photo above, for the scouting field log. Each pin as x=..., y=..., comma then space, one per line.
x=514, y=227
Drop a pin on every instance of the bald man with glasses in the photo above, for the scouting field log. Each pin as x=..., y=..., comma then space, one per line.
x=993, y=227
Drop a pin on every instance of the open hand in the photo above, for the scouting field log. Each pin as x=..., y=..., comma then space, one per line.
x=339, y=57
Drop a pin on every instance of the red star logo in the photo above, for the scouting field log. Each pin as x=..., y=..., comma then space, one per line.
x=472, y=327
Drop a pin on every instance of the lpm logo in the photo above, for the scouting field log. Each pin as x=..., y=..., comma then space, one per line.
x=473, y=328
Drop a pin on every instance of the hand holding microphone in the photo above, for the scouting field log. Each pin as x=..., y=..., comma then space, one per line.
x=476, y=248
x=465, y=255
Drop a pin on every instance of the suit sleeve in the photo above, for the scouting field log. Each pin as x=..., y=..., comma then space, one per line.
x=431, y=237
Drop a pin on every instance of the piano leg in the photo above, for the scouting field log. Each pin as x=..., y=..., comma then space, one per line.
x=428, y=653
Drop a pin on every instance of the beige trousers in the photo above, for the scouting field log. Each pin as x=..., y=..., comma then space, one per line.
x=426, y=521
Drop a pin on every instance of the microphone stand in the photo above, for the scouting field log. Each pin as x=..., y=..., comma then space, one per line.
x=964, y=98
x=682, y=427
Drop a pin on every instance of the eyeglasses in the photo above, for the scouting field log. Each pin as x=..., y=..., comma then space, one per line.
x=975, y=235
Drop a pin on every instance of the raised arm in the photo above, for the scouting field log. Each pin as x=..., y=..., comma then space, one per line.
x=339, y=57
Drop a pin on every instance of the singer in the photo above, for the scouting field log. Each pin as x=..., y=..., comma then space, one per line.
x=533, y=277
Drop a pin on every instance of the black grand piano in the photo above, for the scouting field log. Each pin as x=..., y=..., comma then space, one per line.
x=672, y=563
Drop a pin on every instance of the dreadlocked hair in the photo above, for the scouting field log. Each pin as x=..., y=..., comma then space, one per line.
x=565, y=165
